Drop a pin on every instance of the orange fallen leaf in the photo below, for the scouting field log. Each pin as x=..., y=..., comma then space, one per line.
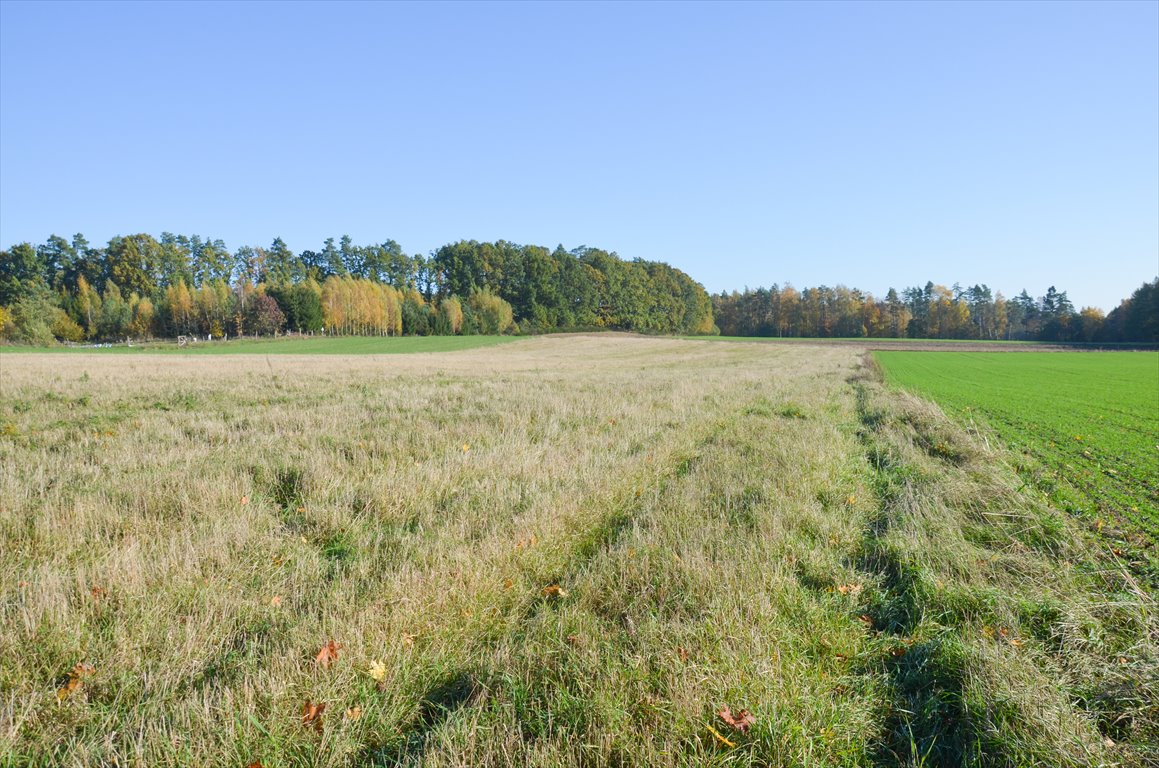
x=255, y=764
x=741, y=721
x=98, y=593
x=682, y=653
x=554, y=590
x=849, y=589
x=23, y=584
x=312, y=715
x=508, y=583
x=245, y=500
x=75, y=680
x=276, y=600
x=897, y=651
x=378, y=670
x=328, y=653
x=354, y=713
x=574, y=640
x=866, y=620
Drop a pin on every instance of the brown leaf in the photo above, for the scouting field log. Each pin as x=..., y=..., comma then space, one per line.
x=276, y=600
x=866, y=620
x=682, y=653
x=312, y=715
x=554, y=590
x=98, y=593
x=354, y=713
x=255, y=764
x=328, y=653
x=897, y=651
x=245, y=500
x=849, y=589
x=75, y=680
x=741, y=721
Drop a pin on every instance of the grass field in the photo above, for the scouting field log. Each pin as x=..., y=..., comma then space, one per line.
x=289, y=345
x=570, y=551
x=1086, y=426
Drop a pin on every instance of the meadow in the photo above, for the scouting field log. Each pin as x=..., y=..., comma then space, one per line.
x=286, y=345
x=1084, y=427
x=572, y=550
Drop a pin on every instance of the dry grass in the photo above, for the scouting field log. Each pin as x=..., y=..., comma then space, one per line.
x=704, y=508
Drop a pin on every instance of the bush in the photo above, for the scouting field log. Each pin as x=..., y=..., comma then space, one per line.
x=65, y=328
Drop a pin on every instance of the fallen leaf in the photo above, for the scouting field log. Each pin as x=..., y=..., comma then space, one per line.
x=897, y=651
x=574, y=640
x=312, y=715
x=866, y=620
x=255, y=764
x=851, y=500
x=466, y=447
x=354, y=713
x=245, y=500
x=23, y=584
x=378, y=670
x=741, y=721
x=75, y=680
x=682, y=653
x=508, y=583
x=328, y=653
x=849, y=589
x=554, y=590
x=720, y=738
x=408, y=639
x=98, y=593
x=276, y=600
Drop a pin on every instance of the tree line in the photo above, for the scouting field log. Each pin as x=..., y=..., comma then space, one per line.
x=138, y=286
x=934, y=312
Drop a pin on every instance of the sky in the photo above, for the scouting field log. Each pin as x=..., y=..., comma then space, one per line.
x=873, y=145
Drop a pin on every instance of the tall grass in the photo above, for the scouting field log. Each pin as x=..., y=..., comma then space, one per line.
x=563, y=551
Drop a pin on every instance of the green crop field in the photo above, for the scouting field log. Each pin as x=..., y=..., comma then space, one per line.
x=292, y=345
x=1087, y=422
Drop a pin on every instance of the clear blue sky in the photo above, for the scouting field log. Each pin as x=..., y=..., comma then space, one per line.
x=873, y=145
